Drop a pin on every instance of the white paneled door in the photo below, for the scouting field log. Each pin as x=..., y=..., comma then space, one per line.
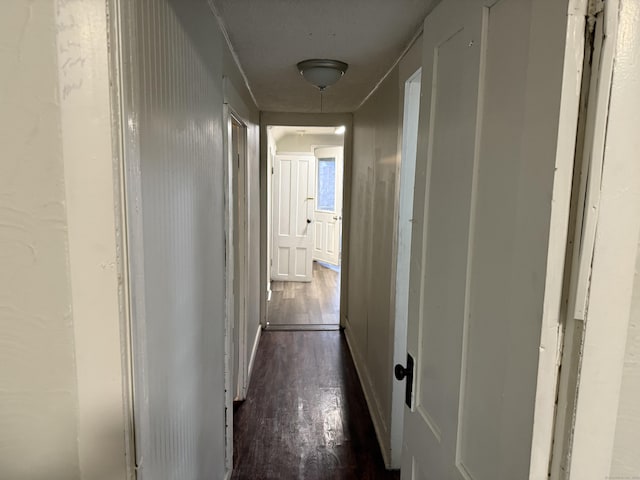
x=292, y=216
x=328, y=205
x=484, y=269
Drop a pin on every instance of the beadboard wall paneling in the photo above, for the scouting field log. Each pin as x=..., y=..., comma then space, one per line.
x=178, y=101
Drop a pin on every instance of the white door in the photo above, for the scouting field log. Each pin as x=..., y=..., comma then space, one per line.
x=403, y=256
x=293, y=203
x=486, y=264
x=328, y=205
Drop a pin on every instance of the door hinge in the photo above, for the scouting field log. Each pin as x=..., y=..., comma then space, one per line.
x=271, y=170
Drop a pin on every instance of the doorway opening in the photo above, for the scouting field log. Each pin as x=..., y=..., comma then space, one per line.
x=240, y=228
x=305, y=168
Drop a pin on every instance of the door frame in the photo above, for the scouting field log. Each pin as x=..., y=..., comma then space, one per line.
x=124, y=103
x=305, y=120
x=237, y=247
x=408, y=158
x=602, y=274
x=234, y=110
x=111, y=98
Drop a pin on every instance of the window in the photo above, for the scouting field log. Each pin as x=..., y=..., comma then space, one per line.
x=326, y=184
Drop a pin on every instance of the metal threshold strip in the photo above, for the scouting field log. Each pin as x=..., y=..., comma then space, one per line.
x=302, y=327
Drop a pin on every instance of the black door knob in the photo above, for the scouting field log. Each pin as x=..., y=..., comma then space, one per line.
x=308, y=221
x=400, y=372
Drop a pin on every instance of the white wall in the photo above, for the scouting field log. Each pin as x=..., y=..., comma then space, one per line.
x=295, y=143
x=626, y=449
x=376, y=157
x=179, y=61
x=253, y=232
x=62, y=394
x=626, y=80
x=38, y=391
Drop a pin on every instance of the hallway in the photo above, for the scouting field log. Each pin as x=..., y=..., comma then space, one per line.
x=305, y=416
x=154, y=156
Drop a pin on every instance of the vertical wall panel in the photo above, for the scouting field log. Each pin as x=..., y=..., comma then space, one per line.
x=178, y=103
x=375, y=157
x=370, y=319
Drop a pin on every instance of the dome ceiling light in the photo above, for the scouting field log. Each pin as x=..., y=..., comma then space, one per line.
x=322, y=73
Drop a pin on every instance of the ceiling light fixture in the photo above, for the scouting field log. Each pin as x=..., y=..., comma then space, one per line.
x=322, y=73
x=340, y=130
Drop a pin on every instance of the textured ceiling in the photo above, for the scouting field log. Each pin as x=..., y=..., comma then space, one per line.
x=270, y=36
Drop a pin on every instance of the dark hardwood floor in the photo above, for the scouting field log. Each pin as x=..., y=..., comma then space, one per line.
x=305, y=416
x=313, y=303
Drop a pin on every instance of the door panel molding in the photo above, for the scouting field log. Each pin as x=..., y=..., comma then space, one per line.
x=292, y=214
x=486, y=287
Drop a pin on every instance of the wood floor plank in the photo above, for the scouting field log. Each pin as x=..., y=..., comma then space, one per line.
x=311, y=303
x=305, y=416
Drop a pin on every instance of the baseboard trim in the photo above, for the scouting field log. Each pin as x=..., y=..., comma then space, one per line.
x=252, y=359
x=372, y=404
